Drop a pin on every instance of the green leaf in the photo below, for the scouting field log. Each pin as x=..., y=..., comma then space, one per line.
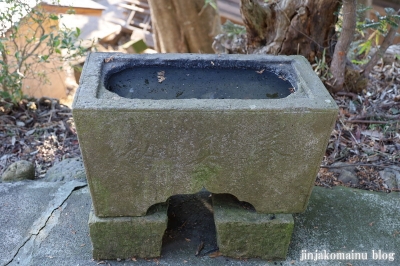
x=56, y=43
x=389, y=10
x=44, y=37
x=373, y=25
x=392, y=23
x=43, y=58
x=53, y=17
x=58, y=51
x=78, y=32
x=365, y=47
x=212, y=3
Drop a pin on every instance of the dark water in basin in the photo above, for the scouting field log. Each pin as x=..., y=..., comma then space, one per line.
x=178, y=83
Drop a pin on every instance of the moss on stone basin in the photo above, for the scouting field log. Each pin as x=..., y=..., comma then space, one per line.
x=138, y=152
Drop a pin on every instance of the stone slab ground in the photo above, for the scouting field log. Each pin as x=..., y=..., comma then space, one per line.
x=47, y=224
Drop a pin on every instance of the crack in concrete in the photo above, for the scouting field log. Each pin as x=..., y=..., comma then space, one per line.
x=47, y=220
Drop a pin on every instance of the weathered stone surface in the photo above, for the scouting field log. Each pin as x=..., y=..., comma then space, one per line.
x=66, y=170
x=264, y=151
x=20, y=170
x=244, y=233
x=127, y=237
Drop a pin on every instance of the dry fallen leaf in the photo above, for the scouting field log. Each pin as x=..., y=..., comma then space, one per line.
x=199, y=248
x=160, y=76
x=261, y=71
x=215, y=254
x=108, y=59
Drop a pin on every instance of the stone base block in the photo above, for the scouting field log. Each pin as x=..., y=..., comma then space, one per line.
x=244, y=233
x=127, y=237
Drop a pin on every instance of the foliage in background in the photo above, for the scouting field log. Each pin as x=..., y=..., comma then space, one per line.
x=25, y=45
x=321, y=67
x=370, y=42
x=379, y=29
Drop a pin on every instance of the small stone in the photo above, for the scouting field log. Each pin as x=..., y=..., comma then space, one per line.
x=347, y=173
x=18, y=171
x=20, y=124
x=391, y=177
x=66, y=170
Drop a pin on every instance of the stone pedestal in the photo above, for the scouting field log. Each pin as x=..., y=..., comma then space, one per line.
x=244, y=233
x=262, y=145
x=127, y=237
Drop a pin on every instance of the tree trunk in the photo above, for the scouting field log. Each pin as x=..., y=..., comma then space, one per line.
x=182, y=26
x=290, y=27
x=338, y=65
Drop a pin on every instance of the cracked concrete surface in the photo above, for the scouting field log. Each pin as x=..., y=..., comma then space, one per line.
x=45, y=224
x=39, y=202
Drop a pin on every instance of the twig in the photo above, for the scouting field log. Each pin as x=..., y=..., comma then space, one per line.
x=357, y=164
x=378, y=115
x=348, y=94
x=349, y=132
x=337, y=143
x=370, y=122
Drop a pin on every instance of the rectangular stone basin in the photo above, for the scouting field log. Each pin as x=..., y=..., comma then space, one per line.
x=153, y=126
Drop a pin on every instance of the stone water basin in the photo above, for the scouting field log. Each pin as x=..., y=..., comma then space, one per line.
x=153, y=126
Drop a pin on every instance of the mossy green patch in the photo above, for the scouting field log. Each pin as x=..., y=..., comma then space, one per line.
x=204, y=174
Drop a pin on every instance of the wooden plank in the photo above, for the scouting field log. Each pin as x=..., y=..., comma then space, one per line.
x=139, y=3
x=76, y=10
x=230, y=9
x=80, y=7
x=135, y=8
